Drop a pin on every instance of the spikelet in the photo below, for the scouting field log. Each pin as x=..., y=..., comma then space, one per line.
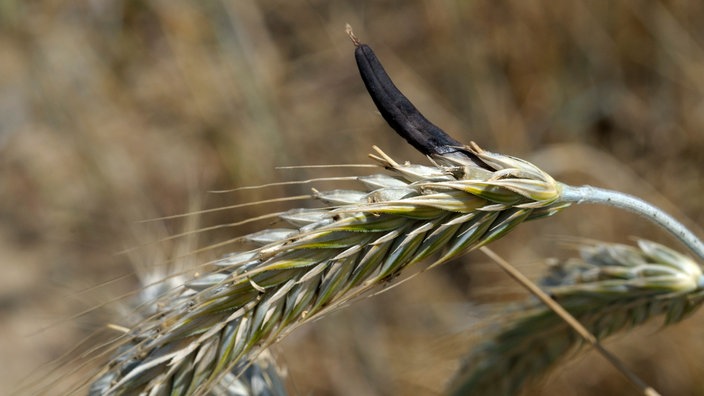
x=223, y=319
x=610, y=288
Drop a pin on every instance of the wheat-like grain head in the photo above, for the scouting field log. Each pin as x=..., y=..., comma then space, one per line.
x=363, y=239
x=217, y=323
x=611, y=288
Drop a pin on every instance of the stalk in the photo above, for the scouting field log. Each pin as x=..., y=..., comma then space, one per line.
x=595, y=195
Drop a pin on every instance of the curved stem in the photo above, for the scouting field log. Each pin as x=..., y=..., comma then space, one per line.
x=589, y=194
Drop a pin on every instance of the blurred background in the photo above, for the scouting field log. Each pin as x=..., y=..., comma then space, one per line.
x=112, y=112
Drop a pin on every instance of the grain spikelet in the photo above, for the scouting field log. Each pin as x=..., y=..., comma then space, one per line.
x=224, y=318
x=610, y=288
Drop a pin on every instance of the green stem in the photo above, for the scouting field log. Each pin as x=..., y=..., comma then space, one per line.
x=589, y=194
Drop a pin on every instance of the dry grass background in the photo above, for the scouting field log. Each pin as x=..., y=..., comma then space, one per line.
x=116, y=111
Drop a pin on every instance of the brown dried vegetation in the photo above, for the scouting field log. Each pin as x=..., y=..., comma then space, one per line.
x=112, y=112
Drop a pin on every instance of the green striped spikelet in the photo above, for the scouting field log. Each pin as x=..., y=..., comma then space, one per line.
x=610, y=288
x=224, y=318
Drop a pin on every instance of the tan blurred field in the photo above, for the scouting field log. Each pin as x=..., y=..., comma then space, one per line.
x=113, y=112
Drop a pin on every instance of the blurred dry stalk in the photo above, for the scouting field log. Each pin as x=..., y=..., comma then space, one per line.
x=110, y=110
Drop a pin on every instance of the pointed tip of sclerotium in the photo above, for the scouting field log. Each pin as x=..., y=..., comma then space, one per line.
x=350, y=33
